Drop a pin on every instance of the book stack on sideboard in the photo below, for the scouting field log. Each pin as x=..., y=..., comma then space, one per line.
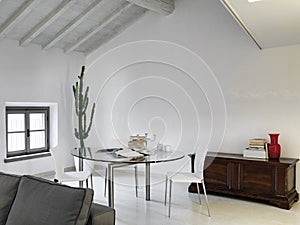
x=258, y=148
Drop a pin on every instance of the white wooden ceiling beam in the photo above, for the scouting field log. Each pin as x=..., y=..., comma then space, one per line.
x=47, y=21
x=73, y=24
x=165, y=7
x=18, y=16
x=115, y=33
x=100, y=26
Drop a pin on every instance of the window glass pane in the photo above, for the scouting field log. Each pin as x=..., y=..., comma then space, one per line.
x=37, y=121
x=16, y=142
x=37, y=139
x=15, y=122
x=22, y=119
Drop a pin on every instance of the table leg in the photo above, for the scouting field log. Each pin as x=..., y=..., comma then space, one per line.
x=147, y=181
x=110, y=171
x=80, y=169
x=110, y=186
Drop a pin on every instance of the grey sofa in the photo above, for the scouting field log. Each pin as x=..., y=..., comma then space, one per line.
x=28, y=200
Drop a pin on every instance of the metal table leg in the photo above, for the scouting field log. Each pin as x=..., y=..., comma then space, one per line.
x=80, y=169
x=110, y=185
x=110, y=171
x=148, y=181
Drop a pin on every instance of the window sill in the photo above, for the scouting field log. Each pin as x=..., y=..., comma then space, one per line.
x=26, y=157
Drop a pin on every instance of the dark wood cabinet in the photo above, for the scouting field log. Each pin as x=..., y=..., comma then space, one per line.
x=272, y=181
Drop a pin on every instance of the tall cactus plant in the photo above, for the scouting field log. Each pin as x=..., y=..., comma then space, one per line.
x=81, y=105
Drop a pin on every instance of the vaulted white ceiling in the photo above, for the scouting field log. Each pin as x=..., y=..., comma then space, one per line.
x=72, y=25
x=84, y=25
x=270, y=23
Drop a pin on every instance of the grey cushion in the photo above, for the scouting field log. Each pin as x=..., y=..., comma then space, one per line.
x=42, y=202
x=8, y=189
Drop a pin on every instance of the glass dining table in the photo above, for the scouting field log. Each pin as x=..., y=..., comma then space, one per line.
x=113, y=159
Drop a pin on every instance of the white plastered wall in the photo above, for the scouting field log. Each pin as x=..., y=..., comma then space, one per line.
x=33, y=76
x=260, y=87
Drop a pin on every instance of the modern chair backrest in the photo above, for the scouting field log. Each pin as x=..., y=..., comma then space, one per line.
x=58, y=159
x=199, y=162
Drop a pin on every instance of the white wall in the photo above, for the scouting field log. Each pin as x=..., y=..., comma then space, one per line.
x=163, y=84
x=192, y=78
x=29, y=74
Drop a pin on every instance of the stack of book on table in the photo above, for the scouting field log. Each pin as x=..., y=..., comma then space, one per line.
x=257, y=148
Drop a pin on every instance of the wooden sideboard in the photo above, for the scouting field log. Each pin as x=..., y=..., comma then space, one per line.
x=272, y=181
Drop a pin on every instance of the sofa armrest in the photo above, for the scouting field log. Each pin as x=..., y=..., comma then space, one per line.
x=101, y=215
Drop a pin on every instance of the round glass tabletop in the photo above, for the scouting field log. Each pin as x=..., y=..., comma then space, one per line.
x=120, y=155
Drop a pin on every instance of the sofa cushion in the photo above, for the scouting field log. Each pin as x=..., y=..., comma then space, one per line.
x=42, y=202
x=8, y=189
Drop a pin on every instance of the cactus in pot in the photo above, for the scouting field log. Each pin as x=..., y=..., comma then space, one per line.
x=81, y=104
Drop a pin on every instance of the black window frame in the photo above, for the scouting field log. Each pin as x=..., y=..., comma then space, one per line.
x=27, y=111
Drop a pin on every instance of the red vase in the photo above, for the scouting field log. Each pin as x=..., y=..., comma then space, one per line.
x=274, y=148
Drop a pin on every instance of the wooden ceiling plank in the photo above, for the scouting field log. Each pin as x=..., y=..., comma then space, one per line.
x=73, y=24
x=100, y=26
x=47, y=21
x=18, y=16
x=164, y=7
x=115, y=33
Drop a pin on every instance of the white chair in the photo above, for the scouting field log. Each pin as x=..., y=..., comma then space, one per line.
x=61, y=176
x=186, y=177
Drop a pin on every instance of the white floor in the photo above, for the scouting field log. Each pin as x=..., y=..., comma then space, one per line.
x=185, y=208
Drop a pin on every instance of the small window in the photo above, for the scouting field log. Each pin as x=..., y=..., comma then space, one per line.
x=27, y=130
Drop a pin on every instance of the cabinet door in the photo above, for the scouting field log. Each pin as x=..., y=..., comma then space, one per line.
x=257, y=179
x=215, y=175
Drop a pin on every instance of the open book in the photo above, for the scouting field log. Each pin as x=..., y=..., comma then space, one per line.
x=129, y=153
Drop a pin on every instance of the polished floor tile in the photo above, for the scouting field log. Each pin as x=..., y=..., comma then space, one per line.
x=186, y=210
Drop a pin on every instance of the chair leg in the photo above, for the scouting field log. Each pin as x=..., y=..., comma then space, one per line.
x=105, y=184
x=198, y=190
x=166, y=189
x=87, y=182
x=136, y=180
x=170, y=193
x=204, y=190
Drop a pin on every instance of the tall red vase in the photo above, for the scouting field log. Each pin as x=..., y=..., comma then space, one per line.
x=274, y=148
